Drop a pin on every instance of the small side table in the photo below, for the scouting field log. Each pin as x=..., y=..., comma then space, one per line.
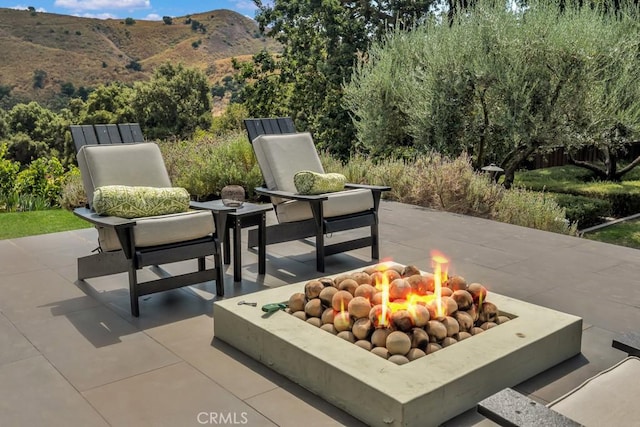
x=247, y=215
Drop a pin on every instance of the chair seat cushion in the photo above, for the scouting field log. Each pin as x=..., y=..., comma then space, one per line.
x=136, y=202
x=309, y=182
x=162, y=230
x=607, y=399
x=340, y=203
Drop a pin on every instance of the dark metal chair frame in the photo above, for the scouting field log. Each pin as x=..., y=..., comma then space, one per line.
x=131, y=258
x=318, y=226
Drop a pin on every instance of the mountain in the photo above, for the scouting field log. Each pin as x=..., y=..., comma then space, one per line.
x=89, y=52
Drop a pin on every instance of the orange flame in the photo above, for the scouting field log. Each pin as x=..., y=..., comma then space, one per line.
x=439, y=276
x=385, y=300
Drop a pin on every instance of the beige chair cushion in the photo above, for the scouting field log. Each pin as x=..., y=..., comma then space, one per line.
x=342, y=203
x=138, y=164
x=281, y=156
x=161, y=230
x=607, y=399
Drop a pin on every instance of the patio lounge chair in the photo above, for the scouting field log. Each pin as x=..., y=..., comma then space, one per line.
x=281, y=152
x=128, y=245
x=609, y=398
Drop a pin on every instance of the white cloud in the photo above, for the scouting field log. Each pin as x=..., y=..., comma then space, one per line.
x=152, y=17
x=245, y=5
x=103, y=4
x=21, y=7
x=96, y=15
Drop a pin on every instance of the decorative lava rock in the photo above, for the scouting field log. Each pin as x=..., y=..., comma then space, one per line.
x=380, y=351
x=312, y=289
x=314, y=308
x=366, y=291
x=349, y=285
x=342, y=321
x=296, y=302
x=359, y=307
x=326, y=295
x=398, y=343
x=379, y=337
x=341, y=300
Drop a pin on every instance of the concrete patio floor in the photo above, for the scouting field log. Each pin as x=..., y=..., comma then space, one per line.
x=72, y=355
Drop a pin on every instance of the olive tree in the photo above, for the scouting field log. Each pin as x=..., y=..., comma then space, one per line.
x=498, y=84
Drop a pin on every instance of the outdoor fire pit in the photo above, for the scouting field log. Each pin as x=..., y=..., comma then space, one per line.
x=419, y=391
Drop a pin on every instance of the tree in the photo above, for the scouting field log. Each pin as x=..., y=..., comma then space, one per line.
x=175, y=102
x=613, y=105
x=321, y=42
x=502, y=86
x=45, y=128
x=39, y=79
x=167, y=20
x=129, y=21
x=108, y=104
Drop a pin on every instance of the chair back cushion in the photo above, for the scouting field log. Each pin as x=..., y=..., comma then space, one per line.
x=281, y=156
x=138, y=164
x=607, y=399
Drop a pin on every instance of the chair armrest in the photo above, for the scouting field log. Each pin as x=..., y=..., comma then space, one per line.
x=369, y=187
x=292, y=196
x=103, y=221
x=510, y=408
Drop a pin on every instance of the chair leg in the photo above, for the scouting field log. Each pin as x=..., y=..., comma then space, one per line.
x=320, y=251
x=318, y=216
x=219, y=274
x=133, y=290
x=375, y=248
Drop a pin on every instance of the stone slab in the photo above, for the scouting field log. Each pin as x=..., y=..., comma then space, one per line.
x=427, y=391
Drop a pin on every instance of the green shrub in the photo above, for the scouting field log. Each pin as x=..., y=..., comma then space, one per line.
x=72, y=194
x=532, y=209
x=230, y=120
x=585, y=211
x=8, y=172
x=453, y=186
x=203, y=166
x=43, y=178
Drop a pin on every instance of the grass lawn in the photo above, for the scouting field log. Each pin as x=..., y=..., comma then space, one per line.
x=21, y=224
x=575, y=180
x=623, y=234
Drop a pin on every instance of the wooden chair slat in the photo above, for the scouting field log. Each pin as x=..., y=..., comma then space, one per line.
x=102, y=134
x=114, y=134
x=125, y=132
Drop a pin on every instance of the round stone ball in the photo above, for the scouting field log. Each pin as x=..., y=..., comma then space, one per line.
x=398, y=343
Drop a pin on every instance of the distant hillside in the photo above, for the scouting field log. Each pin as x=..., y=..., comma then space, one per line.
x=88, y=52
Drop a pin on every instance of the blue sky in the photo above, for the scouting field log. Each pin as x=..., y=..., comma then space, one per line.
x=138, y=9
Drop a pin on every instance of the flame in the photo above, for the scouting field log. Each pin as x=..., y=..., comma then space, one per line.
x=440, y=264
x=439, y=276
x=385, y=300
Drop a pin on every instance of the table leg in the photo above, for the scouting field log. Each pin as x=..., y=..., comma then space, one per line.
x=237, y=262
x=226, y=249
x=262, y=243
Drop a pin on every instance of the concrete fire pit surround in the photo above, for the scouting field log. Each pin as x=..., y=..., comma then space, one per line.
x=424, y=392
